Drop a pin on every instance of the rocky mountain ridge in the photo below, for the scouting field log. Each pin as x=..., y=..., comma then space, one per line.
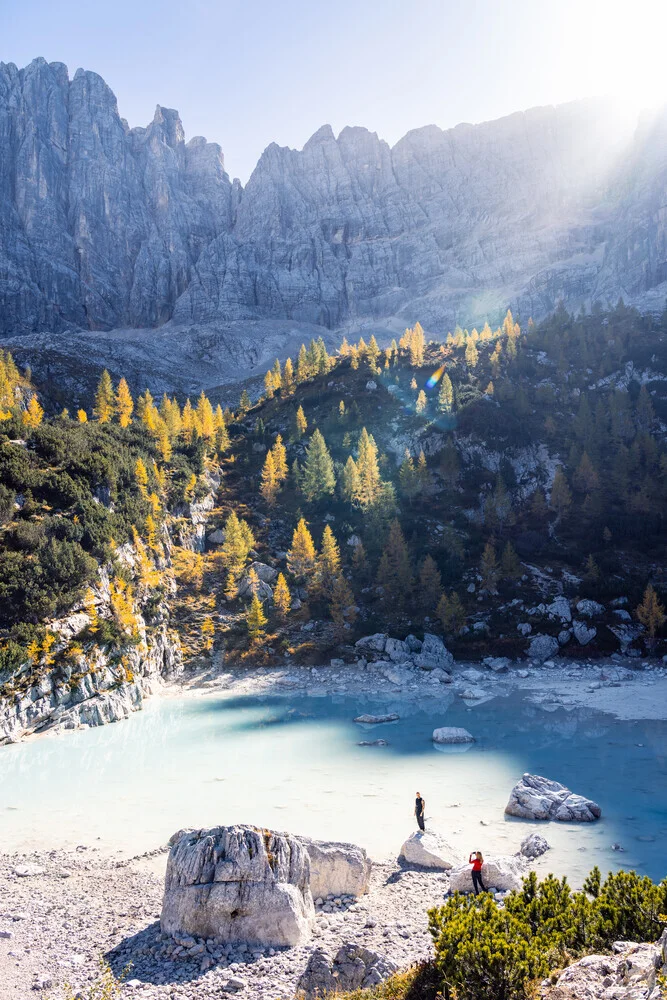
x=105, y=227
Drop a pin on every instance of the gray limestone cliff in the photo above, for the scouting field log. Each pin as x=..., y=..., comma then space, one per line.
x=105, y=227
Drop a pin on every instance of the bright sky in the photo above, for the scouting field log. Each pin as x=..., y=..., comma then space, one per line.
x=248, y=72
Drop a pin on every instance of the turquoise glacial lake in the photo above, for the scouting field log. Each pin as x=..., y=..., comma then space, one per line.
x=294, y=763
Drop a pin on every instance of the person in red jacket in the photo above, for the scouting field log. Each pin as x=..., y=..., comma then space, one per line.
x=476, y=860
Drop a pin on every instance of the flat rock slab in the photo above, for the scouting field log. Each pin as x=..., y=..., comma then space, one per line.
x=535, y=797
x=372, y=720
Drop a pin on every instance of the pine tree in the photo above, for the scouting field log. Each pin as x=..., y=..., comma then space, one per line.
x=430, y=585
x=422, y=474
x=301, y=423
x=318, y=479
x=451, y=613
x=190, y=487
x=302, y=366
x=510, y=566
x=413, y=383
x=104, y=399
x=222, y=441
x=407, y=477
x=560, y=498
x=368, y=470
x=282, y=599
x=82, y=416
x=256, y=620
x=344, y=348
x=207, y=633
x=33, y=415
x=288, y=383
x=341, y=605
x=360, y=565
x=280, y=459
x=416, y=346
x=206, y=416
x=472, y=354
x=269, y=387
x=446, y=394
x=586, y=477
x=394, y=572
x=270, y=484
x=328, y=563
x=488, y=568
x=187, y=422
x=489, y=391
x=373, y=353
x=277, y=374
x=244, y=403
x=124, y=404
x=349, y=483
x=341, y=410
x=141, y=477
x=651, y=613
x=301, y=556
x=644, y=412
x=420, y=405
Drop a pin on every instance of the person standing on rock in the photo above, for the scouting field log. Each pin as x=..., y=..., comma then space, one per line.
x=476, y=860
x=420, y=806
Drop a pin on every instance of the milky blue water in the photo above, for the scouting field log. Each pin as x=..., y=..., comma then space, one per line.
x=293, y=763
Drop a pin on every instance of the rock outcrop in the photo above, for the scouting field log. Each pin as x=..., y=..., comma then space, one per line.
x=500, y=873
x=429, y=850
x=353, y=967
x=103, y=226
x=631, y=973
x=337, y=869
x=535, y=797
x=237, y=883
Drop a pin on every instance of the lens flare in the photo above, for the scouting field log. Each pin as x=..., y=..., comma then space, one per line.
x=435, y=377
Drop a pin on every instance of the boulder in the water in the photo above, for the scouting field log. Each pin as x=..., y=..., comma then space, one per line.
x=534, y=846
x=535, y=797
x=452, y=734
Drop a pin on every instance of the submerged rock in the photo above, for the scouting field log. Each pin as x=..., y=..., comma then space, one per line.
x=535, y=797
x=371, y=720
x=452, y=734
x=238, y=883
x=428, y=849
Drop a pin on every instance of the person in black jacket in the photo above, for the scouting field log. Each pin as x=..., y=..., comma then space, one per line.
x=420, y=806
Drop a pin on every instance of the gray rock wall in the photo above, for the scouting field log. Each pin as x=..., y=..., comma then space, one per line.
x=103, y=226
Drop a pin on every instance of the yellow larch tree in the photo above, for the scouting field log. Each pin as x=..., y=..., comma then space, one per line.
x=124, y=404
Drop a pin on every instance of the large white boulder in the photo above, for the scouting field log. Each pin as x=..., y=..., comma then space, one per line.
x=590, y=608
x=452, y=734
x=338, y=868
x=535, y=797
x=501, y=873
x=560, y=608
x=238, y=883
x=428, y=849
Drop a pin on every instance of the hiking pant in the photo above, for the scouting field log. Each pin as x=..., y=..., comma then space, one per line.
x=420, y=821
x=477, y=883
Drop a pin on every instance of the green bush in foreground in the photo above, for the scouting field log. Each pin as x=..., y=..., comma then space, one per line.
x=484, y=952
